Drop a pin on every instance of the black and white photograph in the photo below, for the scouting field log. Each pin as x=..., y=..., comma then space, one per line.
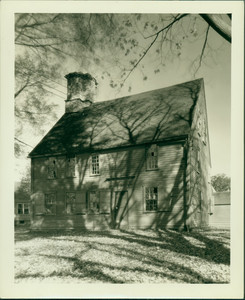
x=122, y=135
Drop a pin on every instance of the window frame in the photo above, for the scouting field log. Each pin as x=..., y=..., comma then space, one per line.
x=54, y=169
x=151, y=199
x=153, y=161
x=204, y=132
x=95, y=164
x=71, y=203
x=67, y=173
x=92, y=210
x=23, y=204
x=53, y=204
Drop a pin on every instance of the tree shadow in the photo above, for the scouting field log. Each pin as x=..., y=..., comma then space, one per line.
x=121, y=127
x=211, y=250
x=195, y=244
x=145, y=247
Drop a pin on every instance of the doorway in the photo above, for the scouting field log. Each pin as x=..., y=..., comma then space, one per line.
x=120, y=209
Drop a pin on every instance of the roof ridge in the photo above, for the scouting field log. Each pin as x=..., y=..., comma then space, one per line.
x=137, y=94
x=129, y=120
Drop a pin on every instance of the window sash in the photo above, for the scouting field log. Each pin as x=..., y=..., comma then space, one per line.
x=71, y=166
x=23, y=209
x=52, y=168
x=20, y=209
x=26, y=209
x=70, y=203
x=152, y=158
x=94, y=202
x=50, y=203
x=95, y=165
x=204, y=133
x=151, y=198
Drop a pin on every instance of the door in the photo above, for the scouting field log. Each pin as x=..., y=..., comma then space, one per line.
x=120, y=209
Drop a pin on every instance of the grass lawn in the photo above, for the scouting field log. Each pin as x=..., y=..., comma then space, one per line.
x=138, y=256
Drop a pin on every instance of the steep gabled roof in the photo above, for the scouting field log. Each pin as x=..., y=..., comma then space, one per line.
x=142, y=118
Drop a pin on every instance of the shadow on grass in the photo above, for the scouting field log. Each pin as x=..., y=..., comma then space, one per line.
x=212, y=249
x=138, y=246
x=95, y=271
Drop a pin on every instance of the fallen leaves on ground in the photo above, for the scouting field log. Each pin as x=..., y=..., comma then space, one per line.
x=136, y=256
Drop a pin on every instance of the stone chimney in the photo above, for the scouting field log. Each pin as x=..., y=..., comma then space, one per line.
x=81, y=89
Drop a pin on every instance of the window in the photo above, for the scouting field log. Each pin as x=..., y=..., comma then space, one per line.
x=70, y=166
x=199, y=123
x=198, y=159
x=50, y=204
x=23, y=209
x=20, y=210
x=151, y=159
x=70, y=203
x=26, y=209
x=52, y=168
x=95, y=165
x=151, y=198
x=204, y=136
x=94, y=202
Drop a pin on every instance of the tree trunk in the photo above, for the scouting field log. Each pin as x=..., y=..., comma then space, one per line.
x=219, y=25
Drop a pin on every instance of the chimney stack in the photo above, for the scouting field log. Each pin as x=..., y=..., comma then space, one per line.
x=81, y=89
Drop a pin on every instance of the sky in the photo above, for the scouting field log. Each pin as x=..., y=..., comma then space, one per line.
x=216, y=73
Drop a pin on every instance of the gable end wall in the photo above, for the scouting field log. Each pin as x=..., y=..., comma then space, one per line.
x=198, y=168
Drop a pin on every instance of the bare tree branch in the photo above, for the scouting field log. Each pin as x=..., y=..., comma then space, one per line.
x=89, y=26
x=176, y=19
x=23, y=142
x=203, y=49
x=33, y=25
x=219, y=25
x=23, y=87
x=33, y=113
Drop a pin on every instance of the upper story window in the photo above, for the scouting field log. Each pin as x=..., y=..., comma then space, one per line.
x=151, y=198
x=71, y=166
x=95, y=165
x=199, y=126
x=204, y=133
x=52, y=168
x=152, y=158
x=198, y=122
x=23, y=209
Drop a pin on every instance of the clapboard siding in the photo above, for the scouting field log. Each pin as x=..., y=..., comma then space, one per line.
x=220, y=216
x=174, y=119
x=198, y=168
x=127, y=163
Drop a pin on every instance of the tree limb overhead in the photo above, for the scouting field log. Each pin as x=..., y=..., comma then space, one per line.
x=219, y=25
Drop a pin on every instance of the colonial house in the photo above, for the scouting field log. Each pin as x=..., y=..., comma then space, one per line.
x=140, y=161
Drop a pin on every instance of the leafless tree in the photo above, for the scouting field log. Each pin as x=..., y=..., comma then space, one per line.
x=117, y=44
